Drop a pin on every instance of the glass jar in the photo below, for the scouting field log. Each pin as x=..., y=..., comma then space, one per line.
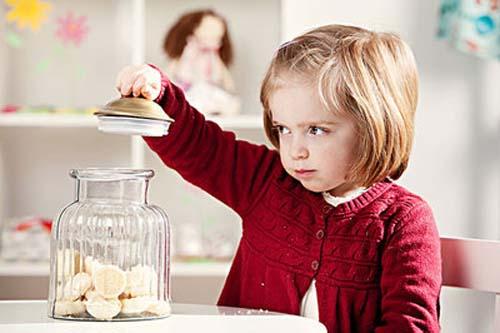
x=110, y=250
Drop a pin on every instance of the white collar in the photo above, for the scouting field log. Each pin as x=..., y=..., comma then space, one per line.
x=335, y=201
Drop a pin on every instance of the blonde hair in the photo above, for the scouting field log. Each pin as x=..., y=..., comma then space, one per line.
x=369, y=76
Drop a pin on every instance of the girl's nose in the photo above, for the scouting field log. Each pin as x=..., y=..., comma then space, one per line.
x=298, y=151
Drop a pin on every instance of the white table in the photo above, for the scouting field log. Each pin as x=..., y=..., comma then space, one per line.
x=31, y=317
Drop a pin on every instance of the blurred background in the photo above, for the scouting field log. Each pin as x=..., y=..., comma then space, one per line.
x=59, y=63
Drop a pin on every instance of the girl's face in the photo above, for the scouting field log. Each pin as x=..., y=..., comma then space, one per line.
x=316, y=146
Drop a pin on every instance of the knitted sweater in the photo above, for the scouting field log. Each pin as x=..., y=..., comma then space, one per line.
x=376, y=259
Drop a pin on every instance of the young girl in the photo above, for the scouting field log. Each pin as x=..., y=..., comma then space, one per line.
x=326, y=231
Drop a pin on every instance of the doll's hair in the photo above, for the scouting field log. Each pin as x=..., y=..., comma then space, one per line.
x=176, y=37
x=369, y=76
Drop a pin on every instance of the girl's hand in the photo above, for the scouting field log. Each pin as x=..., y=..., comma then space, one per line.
x=139, y=80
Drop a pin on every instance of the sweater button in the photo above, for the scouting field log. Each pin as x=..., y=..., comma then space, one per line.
x=327, y=209
x=315, y=265
x=320, y=234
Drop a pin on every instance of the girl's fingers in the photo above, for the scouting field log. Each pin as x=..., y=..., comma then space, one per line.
x=152, y=83
x=155, y=85
x=126, y=89
x=138, y=85
x=139, y=80
x=146, y=92
x=119, y=78
x=127, y=82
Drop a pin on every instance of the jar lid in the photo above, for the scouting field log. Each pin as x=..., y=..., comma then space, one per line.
x=133, y=126
x=133, y=116
x=134, y=107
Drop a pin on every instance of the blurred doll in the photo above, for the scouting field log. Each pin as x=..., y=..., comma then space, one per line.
x=199, y=50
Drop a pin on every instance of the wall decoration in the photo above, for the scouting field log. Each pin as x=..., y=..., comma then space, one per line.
x=42, y=65
x=64, y=29
x=27, y=13
x=13, y=39
x=472, y=26
x=72, y=28
x=81, y=72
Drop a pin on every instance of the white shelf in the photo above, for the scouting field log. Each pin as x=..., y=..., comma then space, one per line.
x=24, y=269
x=200, y=269
x=253, y=121
x=178, y=269
x=52, y=120
x=47, y=120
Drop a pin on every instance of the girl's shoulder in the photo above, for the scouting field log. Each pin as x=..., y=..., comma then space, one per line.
x=400, y=196
x=402, y=206
x=387, y=198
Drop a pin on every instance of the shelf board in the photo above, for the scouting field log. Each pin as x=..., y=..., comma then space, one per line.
x=72, y=120
x=246, y=121
x=200, y=269
x=47, y=120
x=212, y=269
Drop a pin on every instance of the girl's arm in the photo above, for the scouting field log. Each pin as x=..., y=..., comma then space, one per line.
x=234, y=171
x=411, y=275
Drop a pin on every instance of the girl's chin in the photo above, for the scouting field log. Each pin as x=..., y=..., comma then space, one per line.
x=317, y=187
x=311, y=184
x=313, y=187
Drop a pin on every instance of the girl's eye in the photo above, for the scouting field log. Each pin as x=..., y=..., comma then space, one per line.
x=282, y=129
x=317, y=130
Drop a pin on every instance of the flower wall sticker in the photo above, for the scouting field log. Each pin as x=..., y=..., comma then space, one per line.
x=29, y=13
x=72, y=29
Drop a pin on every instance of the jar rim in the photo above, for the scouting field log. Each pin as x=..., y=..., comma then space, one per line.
x=111, y=173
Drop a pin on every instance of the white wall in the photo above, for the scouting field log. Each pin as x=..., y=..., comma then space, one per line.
x=455, y=161
x=3, y=60
x=3, y=65
x=74, y=76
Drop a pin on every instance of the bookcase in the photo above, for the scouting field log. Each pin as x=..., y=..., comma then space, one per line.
x=61, y=83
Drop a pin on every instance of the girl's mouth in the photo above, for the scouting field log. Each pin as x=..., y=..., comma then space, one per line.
x=304, y=173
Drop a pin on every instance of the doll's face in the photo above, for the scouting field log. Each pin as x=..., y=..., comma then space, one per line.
x=210, y=32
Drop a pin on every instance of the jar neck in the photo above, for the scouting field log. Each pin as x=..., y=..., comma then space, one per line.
x=126, y=190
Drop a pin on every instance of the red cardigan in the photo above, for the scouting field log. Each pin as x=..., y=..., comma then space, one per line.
x=376, y=259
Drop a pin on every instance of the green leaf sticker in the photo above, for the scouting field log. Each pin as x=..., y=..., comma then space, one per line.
x=42, y=65
x=13, y=39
